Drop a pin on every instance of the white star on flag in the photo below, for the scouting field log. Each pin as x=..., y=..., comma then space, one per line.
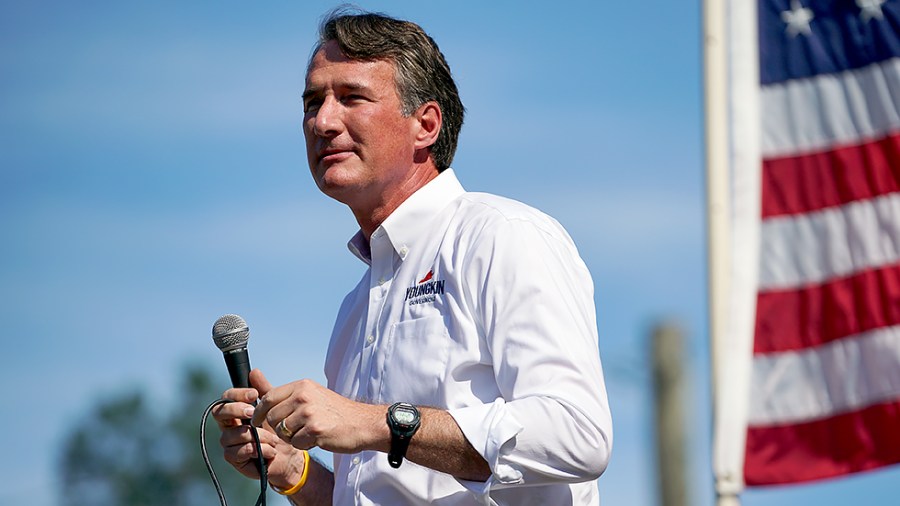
x=869, y=9
x=798, y=19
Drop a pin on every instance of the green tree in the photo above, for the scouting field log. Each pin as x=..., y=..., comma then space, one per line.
x=128, y=452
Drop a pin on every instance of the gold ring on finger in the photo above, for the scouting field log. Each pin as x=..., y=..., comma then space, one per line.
x=284, y=431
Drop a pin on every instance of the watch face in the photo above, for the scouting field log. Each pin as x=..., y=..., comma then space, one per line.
x=404, y=416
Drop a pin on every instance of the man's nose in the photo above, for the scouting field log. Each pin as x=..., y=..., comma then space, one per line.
x=328, y=118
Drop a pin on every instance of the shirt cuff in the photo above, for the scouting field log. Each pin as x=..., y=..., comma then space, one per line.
x=490, y=429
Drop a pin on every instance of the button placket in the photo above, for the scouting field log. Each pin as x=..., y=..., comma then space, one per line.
x=381, y=277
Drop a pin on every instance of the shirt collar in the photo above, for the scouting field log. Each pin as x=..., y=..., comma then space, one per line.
x=409, y=221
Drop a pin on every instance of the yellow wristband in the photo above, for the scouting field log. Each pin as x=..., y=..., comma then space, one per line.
x=296, y=488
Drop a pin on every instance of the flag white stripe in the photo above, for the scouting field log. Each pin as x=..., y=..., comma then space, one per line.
x=837, y=377
x=836, y=242
x=813, y=114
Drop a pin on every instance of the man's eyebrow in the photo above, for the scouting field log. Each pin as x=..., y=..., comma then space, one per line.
x=309, y=92
x=349, y=85
x=353, y=85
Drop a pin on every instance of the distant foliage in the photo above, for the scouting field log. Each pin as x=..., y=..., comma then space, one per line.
x=131, y=452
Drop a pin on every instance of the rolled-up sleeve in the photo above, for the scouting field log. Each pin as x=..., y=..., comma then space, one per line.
x=532, y=297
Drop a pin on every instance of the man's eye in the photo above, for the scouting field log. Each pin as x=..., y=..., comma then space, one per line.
x=311, y=105
x=354, y=98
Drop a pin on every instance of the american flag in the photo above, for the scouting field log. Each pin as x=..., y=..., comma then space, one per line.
x=825, y=382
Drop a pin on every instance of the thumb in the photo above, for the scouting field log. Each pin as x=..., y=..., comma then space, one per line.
x=259, y=382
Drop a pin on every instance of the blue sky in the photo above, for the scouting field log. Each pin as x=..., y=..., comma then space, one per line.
x=153, y=178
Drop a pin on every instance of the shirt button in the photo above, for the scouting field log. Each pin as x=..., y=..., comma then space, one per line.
x=355, y=460
x=380, y=281
x=370, y=339
x=404, y=251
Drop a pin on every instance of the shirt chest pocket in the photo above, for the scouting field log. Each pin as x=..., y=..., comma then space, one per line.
x=415, y=362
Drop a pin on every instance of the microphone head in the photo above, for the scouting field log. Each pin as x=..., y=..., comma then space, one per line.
x=230, y=332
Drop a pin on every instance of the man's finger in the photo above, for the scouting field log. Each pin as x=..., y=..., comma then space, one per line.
x=259, y=381
x=269, y=396
x=248, y=395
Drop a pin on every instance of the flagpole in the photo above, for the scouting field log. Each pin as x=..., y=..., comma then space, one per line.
x=715, y=79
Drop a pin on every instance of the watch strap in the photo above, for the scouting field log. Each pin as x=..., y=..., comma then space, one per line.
x=399, y=445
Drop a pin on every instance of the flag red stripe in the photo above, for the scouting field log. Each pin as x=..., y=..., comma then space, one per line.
x=810, y=182
x=814, y=315
x=846, y=443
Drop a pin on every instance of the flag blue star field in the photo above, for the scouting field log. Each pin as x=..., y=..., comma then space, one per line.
x=825, y=386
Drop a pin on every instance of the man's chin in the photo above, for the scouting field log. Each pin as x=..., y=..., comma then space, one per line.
x=342, y=191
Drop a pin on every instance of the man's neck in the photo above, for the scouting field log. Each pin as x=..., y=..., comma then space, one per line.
x=373, y=215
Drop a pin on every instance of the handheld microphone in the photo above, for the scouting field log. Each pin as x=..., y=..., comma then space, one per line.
x=230, y=333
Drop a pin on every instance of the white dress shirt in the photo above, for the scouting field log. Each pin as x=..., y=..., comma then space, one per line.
x=479, y=305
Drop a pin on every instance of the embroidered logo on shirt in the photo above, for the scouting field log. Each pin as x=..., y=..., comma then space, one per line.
x=426, y=290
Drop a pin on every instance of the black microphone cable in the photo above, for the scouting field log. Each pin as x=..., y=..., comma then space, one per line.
x=260, y=461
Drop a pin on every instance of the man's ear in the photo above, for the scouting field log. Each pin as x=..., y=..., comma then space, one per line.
x=428, y=123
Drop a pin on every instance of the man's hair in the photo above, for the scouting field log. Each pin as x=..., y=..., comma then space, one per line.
x=421, y=72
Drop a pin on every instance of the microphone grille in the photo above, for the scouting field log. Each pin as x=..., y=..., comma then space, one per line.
x=230, y=332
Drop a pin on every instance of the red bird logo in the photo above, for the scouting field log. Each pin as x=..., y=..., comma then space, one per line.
x=427, y=277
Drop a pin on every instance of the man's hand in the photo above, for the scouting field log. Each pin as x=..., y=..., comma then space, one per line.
x=284, y=462
x=316, y=416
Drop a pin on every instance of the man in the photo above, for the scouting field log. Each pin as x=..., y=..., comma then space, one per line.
x=464, y=367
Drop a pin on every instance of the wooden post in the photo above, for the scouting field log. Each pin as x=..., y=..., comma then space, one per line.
x=668, y=387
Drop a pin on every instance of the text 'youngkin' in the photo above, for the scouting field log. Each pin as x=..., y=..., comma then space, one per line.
x=429, y=288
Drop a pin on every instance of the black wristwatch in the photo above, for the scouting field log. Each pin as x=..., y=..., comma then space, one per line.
x=403, y=420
